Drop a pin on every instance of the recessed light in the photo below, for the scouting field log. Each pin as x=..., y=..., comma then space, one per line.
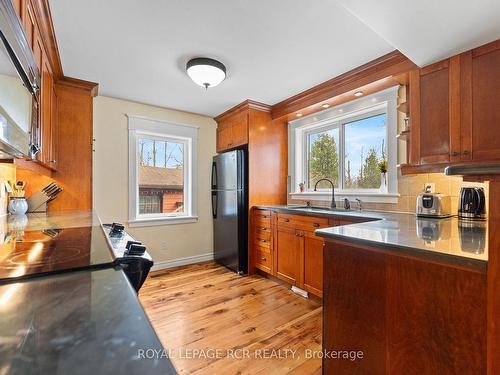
x=326, y=105
x=358, y=93
x=299, y=115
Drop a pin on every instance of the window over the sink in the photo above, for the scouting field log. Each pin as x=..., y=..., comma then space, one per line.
x=345, y=144
x=162, y=160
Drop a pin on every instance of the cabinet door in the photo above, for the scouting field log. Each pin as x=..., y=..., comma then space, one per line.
x=46, y=111
x=480, y=114
x=239, y=126
x=313, y=263
x=224, y=137
x=434, y=104
x=288, y=249
x=29, y=23
x=54, y=132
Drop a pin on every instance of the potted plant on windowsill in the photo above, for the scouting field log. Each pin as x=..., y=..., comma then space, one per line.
x=382, y=166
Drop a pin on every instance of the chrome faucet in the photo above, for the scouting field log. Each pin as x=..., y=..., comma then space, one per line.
x=333, y=204
x=359, y=203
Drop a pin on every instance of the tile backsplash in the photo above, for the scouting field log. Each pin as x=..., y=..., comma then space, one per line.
x=410, y=186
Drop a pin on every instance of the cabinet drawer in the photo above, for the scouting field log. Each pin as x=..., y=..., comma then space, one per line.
x=262, y=218
x=263, y=259
x=262, y=238
x=302, y=222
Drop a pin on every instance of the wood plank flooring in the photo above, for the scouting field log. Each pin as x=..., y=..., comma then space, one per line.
x=249, y=320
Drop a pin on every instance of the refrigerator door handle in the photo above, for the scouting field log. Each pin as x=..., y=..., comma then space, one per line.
x=214, y=204
x=214, y=175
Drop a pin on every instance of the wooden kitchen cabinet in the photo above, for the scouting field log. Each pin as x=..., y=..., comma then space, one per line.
x=480, y=81
x=234, y=125
x=434, y=102
x=313, y=263
x=232, y=130
x=288, y=254
x=284, y=245
x=453, y=106
x=392, y=308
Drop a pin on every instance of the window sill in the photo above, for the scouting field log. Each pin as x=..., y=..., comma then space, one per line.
x=369, y=197
x=150, y=222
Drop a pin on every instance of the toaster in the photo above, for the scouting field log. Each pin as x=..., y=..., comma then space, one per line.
x=433, y=205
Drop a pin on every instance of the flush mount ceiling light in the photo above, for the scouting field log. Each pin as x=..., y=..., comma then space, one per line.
x=358, y=93
x=206, y=72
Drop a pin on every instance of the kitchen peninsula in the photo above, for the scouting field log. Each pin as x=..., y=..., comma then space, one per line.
x=386, y=274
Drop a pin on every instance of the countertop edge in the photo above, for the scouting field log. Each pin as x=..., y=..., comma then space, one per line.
x=448, y=259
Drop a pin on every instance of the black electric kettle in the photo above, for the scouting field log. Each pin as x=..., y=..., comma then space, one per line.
x=472, y=205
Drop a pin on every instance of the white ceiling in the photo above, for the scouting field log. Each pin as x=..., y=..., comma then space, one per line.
x=427, y=31
x=272, y=49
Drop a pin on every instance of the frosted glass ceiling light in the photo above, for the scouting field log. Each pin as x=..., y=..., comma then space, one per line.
x=206, y=72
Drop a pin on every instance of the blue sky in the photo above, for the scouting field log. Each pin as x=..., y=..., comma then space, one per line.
x=171, y=151
x=360, y=135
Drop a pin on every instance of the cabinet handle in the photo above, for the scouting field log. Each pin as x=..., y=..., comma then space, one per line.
x=263, y=258
x=263, y=228
x=285, y=220
x=263, y=241
x=315, y=225
x=466, y=152
x=264, y=216
x=455, y=153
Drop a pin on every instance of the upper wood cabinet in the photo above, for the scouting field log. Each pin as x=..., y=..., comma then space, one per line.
x=233, y=125
x=232, y=130
x=434, y=101
x=454, y=109
x=480, y=82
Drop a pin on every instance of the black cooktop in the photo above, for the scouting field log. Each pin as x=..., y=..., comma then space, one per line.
x=40, y=249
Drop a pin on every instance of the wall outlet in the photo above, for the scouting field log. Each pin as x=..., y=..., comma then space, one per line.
x=430, y=187
x=163, y=245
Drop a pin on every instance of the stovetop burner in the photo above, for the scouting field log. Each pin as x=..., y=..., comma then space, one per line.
x=29, y=253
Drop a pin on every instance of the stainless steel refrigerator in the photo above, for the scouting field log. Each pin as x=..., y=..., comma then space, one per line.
x=230, y=210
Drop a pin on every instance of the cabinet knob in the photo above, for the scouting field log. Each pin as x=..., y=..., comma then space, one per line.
x=263, y=228
x=263, y=258
x=316, y=225
x=466, y=152
x=263, y=241
x=455, y=153
x=286, y=220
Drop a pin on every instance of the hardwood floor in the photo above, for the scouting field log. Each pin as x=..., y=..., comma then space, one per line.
x=257, y=325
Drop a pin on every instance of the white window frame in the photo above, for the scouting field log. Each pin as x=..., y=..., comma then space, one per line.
x=384, y=101
x=143, y=127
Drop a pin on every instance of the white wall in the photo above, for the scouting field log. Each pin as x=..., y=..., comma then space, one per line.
x=110, y=179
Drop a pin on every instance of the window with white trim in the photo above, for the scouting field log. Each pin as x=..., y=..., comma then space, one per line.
x=161, y=172
x=348, y=145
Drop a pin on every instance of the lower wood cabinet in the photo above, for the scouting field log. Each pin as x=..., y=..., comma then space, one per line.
x=313, y=263
x=288, y=254
x=406, y=315
x=285, y=246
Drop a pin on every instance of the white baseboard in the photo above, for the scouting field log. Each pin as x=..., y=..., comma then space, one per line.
x=182, y=261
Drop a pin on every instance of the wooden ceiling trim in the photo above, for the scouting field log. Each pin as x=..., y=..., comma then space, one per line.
x=391, y=64
x=91, y=88
x=247, y=104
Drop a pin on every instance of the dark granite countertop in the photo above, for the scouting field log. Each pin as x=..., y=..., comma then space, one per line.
x=84, y=322
x=449, y=240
